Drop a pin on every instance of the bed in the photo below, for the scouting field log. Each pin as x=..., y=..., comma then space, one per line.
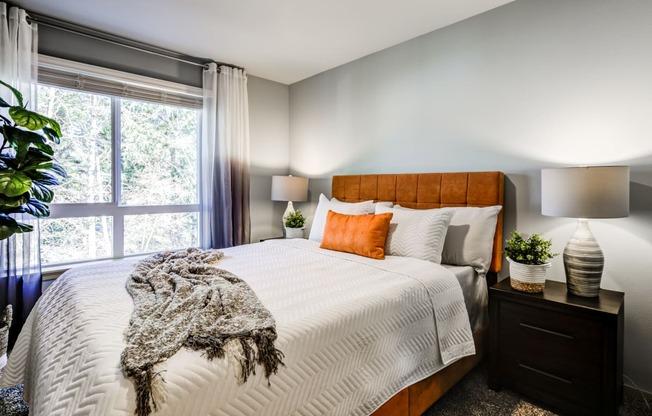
x=359, y=335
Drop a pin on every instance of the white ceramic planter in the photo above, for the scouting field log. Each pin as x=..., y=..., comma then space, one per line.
x=293, y=232
x=528, y=277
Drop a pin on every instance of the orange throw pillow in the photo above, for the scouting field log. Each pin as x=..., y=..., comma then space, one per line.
x=358, y=234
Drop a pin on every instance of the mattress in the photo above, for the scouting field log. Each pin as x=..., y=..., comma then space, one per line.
x=354, y=332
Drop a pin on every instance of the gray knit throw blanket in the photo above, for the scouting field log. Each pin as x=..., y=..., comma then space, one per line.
x=181, y=299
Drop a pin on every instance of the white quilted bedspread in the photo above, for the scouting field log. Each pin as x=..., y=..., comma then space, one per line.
x=354, y=332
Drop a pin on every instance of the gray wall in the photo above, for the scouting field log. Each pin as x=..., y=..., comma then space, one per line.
x=529, y=85
x=269, y=126
x=74, y=47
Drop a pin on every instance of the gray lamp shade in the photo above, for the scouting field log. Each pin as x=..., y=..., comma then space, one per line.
x=585, y=192
x=289, y=188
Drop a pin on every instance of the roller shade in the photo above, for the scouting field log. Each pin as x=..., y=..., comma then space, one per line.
x=113, y=85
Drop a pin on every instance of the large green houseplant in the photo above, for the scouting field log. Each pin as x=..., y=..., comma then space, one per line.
x=27, y=165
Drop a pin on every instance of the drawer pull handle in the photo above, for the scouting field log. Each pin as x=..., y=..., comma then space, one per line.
x=527, y=367
x=547, y=331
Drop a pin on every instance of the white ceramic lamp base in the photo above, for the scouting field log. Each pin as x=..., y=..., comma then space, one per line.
x=289, y=210
x=583, y=262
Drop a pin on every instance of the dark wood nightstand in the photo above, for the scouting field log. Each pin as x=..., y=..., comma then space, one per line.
x=272, y=238
x=563, y=350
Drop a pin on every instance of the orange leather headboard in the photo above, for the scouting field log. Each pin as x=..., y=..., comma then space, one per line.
x=430, y=190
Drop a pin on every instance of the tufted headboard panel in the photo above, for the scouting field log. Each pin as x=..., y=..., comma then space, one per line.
x=430, y=190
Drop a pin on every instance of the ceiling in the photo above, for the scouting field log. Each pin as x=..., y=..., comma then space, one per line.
x=281, y=40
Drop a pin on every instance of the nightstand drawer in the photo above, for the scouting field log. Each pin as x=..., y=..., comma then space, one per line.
x=551, y=351
x=555, y=339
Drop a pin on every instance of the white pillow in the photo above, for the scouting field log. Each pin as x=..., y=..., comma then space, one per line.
x=470, y=236
x=387, y=204
x=350, y=208
x=416, y=233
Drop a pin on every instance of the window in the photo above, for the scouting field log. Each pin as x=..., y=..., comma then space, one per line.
x=131, y=153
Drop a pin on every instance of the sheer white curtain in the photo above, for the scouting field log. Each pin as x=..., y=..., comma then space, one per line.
x=225, y=158
x=19, y=59
x=20, y=263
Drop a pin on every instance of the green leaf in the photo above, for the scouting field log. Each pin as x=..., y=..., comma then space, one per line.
x=17, y=94
x=36, y=159
x=8, y=161
x=46, y=148
x=9, y=226
x=31, y=120
x=3, y=103
x=43, y=177
x=52, y=134
x=56, y=128
x=16, y=134
x=41, y=191
x=36, y=208
x=21, y=140
x=14, y=183
x=15, y=201
x=58, y=169
x=43, y=167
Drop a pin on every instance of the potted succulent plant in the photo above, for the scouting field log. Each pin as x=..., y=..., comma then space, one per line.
x=528, y=261
x=294, y=223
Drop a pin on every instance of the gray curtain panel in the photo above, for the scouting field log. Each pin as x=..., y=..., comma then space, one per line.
x=224, y=196
x=20, y=274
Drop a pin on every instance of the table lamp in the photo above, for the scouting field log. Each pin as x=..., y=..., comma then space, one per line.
x=585, y=193
x=289, y=188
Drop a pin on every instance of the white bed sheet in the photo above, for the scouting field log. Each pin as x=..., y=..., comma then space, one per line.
x=476, y=294
x=354, y=332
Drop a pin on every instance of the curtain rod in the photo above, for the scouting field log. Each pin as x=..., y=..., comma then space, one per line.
x=120, y=41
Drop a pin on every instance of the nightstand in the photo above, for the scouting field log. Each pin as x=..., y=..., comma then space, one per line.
x=272, y=238
x=560, y=349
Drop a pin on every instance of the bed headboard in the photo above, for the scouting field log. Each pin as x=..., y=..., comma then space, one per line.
x=430, y=190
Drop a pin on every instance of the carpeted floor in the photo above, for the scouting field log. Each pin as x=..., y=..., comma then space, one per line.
x=11, y=402
x=470, y=397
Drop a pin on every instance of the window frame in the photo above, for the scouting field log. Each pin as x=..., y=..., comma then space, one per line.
x=115, y=208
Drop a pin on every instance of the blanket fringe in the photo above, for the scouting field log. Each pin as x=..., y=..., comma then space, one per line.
x=268, y=355
x=264, y=353
x=149, y=390
x=211, y=346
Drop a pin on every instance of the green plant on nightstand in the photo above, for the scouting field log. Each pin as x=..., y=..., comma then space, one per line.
x=295, y=219
x=532, y=250
x=528, y=261
x=294, y=222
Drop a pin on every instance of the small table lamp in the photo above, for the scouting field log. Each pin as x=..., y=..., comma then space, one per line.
x=289, y=188
x=583, y=193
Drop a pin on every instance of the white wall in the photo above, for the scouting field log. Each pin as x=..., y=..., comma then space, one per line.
x=529, y=85
x=269, y=135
